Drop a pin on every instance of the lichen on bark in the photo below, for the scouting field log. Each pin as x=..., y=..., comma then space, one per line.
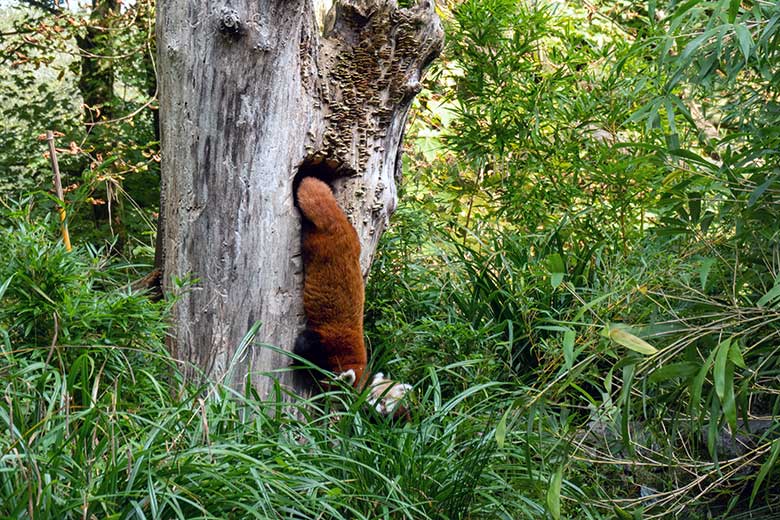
x=370, y=62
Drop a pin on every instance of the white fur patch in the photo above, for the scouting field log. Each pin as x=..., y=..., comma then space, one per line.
x=386, y=395
x=348, y=377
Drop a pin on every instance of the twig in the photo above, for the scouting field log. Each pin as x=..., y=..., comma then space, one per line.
x=58, y=187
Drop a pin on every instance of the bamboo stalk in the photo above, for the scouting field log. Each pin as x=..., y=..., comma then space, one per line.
x=58, y=187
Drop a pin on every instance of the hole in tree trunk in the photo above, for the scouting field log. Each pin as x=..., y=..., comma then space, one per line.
x=326, y=169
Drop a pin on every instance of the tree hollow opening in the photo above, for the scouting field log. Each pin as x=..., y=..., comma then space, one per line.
x=324, y=168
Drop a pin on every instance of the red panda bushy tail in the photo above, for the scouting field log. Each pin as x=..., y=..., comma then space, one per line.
x=317, y=203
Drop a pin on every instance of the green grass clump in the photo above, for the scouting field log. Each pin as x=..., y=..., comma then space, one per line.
x=97, y=421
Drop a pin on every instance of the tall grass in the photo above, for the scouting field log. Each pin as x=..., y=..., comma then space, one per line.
x=98, y=423
x=690, y=430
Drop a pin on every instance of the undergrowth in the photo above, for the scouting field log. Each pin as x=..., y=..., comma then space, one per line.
x=98, y=422
x=656, y=378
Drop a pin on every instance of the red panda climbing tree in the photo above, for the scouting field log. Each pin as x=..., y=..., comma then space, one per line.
x=250, y=91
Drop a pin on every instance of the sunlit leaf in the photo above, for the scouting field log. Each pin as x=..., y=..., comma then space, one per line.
x=621, y=336
x=557, y=269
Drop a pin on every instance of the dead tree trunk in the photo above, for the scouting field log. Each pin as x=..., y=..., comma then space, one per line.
x=249, y=91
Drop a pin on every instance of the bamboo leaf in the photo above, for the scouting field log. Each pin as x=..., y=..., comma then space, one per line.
x=698, y=382
x=555, y=263
x=704, y=271
x=769, y=29
x=554, y=494
x=712, y=430
x=621, y=336
x=770, y=297
x=733, y=10
x=759, y=190
x=735, y=355
x=4, y=286
x=557, y=269
x=568, y=348
x=766, y=467
x=684, y=8
x=588, y=306
x=719, y=371
x=669, y=107
x=625, y=397
x=745, y=40
x=694, y=45
x=501, y=429
x=694, y=158
x=684, y=370
x=728, y=403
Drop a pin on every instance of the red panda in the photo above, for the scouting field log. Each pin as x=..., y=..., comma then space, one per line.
x=333, y=292
x=333, y=296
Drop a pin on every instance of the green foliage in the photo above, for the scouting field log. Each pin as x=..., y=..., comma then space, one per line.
x=98, y=421
x=582, y=280
x=34, y=97
x=58, y=312
x=592, y=214
x=88, y=75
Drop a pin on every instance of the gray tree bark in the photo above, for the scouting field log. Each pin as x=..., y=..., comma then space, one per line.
x=249, y=91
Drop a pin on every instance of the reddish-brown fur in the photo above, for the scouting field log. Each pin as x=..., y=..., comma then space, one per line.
x=333, y=292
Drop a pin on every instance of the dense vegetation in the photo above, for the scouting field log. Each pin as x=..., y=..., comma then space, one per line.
x=581, y=278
